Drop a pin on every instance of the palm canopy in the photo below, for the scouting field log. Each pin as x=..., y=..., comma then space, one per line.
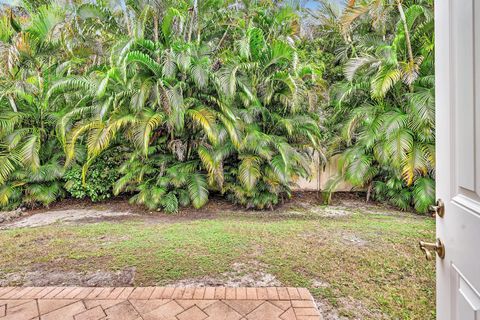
x=385, y=104
x=215, y=96
x=203, y=97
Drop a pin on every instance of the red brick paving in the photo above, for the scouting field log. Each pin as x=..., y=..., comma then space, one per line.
x=157, y=303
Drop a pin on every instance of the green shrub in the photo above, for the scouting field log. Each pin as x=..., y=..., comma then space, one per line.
x=100, y=178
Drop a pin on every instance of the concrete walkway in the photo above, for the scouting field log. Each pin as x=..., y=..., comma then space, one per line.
x=152, y=303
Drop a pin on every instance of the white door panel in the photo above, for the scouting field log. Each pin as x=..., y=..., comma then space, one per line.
x=457, y=39
x=467, y=304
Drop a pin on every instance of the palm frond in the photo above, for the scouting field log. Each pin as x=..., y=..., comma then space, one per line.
x=423, y=194
x=30, y=152
x=249, y=171
x=197, y=188
x=144, y=59
x=384, y=80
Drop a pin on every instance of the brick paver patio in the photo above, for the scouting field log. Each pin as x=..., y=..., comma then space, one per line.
x=152, y=303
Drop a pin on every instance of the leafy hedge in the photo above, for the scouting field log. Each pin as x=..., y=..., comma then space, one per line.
x=169, y=101
x=166, y=112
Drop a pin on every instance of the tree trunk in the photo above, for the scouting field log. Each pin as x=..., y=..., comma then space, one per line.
x=155, y=27
x=192, y=21
x=155, y=34
x=223, y=38
x=369, y=191
x=127, y=18
x=407, y=33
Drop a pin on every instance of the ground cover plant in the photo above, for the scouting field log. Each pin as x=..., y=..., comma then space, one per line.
x=224, y=97
x=359, y=261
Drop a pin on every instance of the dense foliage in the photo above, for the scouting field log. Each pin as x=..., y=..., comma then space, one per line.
x=100, y=178
x=382, y=108
x=170, y=101
x=214, y=96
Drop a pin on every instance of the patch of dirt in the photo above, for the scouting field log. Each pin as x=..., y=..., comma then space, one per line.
x=69, y=215
x=328, y=312
x=7, y=216
x=316, y=283
x=330, y=211
x=302, y=204
x=43, y=278
x=249, y=274
x=346, y=308
x=358, y=310
x=357, y=201
x=353, y=239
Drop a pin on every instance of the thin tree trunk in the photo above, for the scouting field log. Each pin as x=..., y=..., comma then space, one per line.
x=198, y=28
x=190, y=27
x=223, y=38
x=155, y=28
x=369, y=191
x=195, y=18
x=192, y=21
x=127, y=18
x=407, y=33
x=156, y=36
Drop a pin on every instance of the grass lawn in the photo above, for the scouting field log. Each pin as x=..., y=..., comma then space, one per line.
x=361, y=264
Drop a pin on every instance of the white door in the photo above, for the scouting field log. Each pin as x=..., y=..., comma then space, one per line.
x=457, y=37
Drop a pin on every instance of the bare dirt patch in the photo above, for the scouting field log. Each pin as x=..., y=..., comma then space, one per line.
x=328, y=312
x=243, y=274
x=48, y=277
x=69, y=215
x=346, y=308
x=328, y=212
x=350, y=306
x=352, y=239
x=301, y=204
x=317, y=283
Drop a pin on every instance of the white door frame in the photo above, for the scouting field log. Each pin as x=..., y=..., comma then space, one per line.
x=443, y=83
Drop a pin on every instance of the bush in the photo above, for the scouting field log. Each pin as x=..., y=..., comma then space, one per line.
x=100, y=178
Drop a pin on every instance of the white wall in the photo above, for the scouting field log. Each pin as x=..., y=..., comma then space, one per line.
x=321, y=176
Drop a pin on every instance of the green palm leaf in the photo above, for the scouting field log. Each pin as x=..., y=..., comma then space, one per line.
x=197, y=188
x=30, y=150
x=386, y=77
x=249, y=171
x=146, y=60
x=423, y=194
x=414, y=163
x=207, y=120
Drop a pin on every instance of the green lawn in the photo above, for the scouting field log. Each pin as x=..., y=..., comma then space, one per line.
x=366, y=265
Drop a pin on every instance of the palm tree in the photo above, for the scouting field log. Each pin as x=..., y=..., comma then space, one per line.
x=208, y=96
x=31, y=156
x=156, y=106
x=388, y=136
x=275, y=102
x=242, y=123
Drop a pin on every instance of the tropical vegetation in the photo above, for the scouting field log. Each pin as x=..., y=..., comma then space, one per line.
x=201, y=99
x=382, y=107
x=169, y=102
